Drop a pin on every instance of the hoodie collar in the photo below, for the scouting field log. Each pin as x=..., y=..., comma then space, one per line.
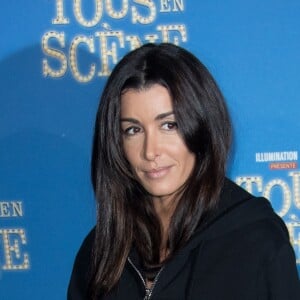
x=235, y=209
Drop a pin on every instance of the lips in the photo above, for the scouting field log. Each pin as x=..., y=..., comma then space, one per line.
x=157, y=172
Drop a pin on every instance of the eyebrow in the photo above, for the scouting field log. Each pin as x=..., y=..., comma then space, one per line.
x=164, y=115
x=158, y=117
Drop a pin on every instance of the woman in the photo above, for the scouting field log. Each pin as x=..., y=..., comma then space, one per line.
x=170, y=225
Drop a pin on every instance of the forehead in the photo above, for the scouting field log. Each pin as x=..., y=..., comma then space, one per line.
x=153, y=100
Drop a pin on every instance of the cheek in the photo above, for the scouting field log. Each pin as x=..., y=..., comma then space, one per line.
x=187, y=160
x=131, y=154
x=178, y=149
x=191, y=161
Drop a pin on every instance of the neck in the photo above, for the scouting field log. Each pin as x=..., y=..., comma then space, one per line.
x=165, y=207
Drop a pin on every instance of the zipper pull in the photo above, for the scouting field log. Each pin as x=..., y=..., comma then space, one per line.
x=148, y=294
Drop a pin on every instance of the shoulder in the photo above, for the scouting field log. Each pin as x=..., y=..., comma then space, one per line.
x=86, y=246
x=280, y=274
x=251, y=218
x=247, y=208
x=80, y=275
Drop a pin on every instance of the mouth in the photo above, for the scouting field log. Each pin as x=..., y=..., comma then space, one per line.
x=157, y=172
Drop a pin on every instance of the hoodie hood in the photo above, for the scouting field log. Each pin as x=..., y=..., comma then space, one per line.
x=236, y=208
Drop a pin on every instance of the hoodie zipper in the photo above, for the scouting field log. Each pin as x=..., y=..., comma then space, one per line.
x=148, y=291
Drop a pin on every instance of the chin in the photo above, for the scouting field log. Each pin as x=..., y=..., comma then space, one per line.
x=161, y=193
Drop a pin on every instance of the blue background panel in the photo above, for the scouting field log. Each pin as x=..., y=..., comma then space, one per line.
x=46, y=123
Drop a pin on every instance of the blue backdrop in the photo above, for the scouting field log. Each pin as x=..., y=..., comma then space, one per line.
x=54, y=60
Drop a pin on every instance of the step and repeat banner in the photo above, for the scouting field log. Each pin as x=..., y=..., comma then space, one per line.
x=55, y=56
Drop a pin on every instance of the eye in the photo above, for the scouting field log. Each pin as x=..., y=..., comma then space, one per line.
x=132, y=130
x=170, y=125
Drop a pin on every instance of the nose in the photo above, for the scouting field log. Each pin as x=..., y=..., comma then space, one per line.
x=151, y=146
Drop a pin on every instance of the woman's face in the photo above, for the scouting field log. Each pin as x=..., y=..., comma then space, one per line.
x=152, y=144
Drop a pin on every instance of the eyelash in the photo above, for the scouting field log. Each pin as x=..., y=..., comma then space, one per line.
x=127, y=130
x=172, y=123
x=136, y=129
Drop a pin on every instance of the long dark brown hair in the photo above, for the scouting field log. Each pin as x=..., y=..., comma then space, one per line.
x=125, y=212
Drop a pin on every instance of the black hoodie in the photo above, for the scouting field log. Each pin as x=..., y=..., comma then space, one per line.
x=241, y=253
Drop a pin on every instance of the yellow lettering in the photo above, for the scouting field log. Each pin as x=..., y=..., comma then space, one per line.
x=296, y=187
x=117, y=14
x=247, y=181
x=134, y=41
x=4, y=209
x=136, y=17
x=165, y=6
x=17, y=210
x=14, y=260
x=286, y=193
x=167, y=29
x=11, y=209
x=151, y=38
x=74, y=58
x=79, y=16
x=178, y=5
x=60, y=18
x=112, y=52
x=54, y=53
